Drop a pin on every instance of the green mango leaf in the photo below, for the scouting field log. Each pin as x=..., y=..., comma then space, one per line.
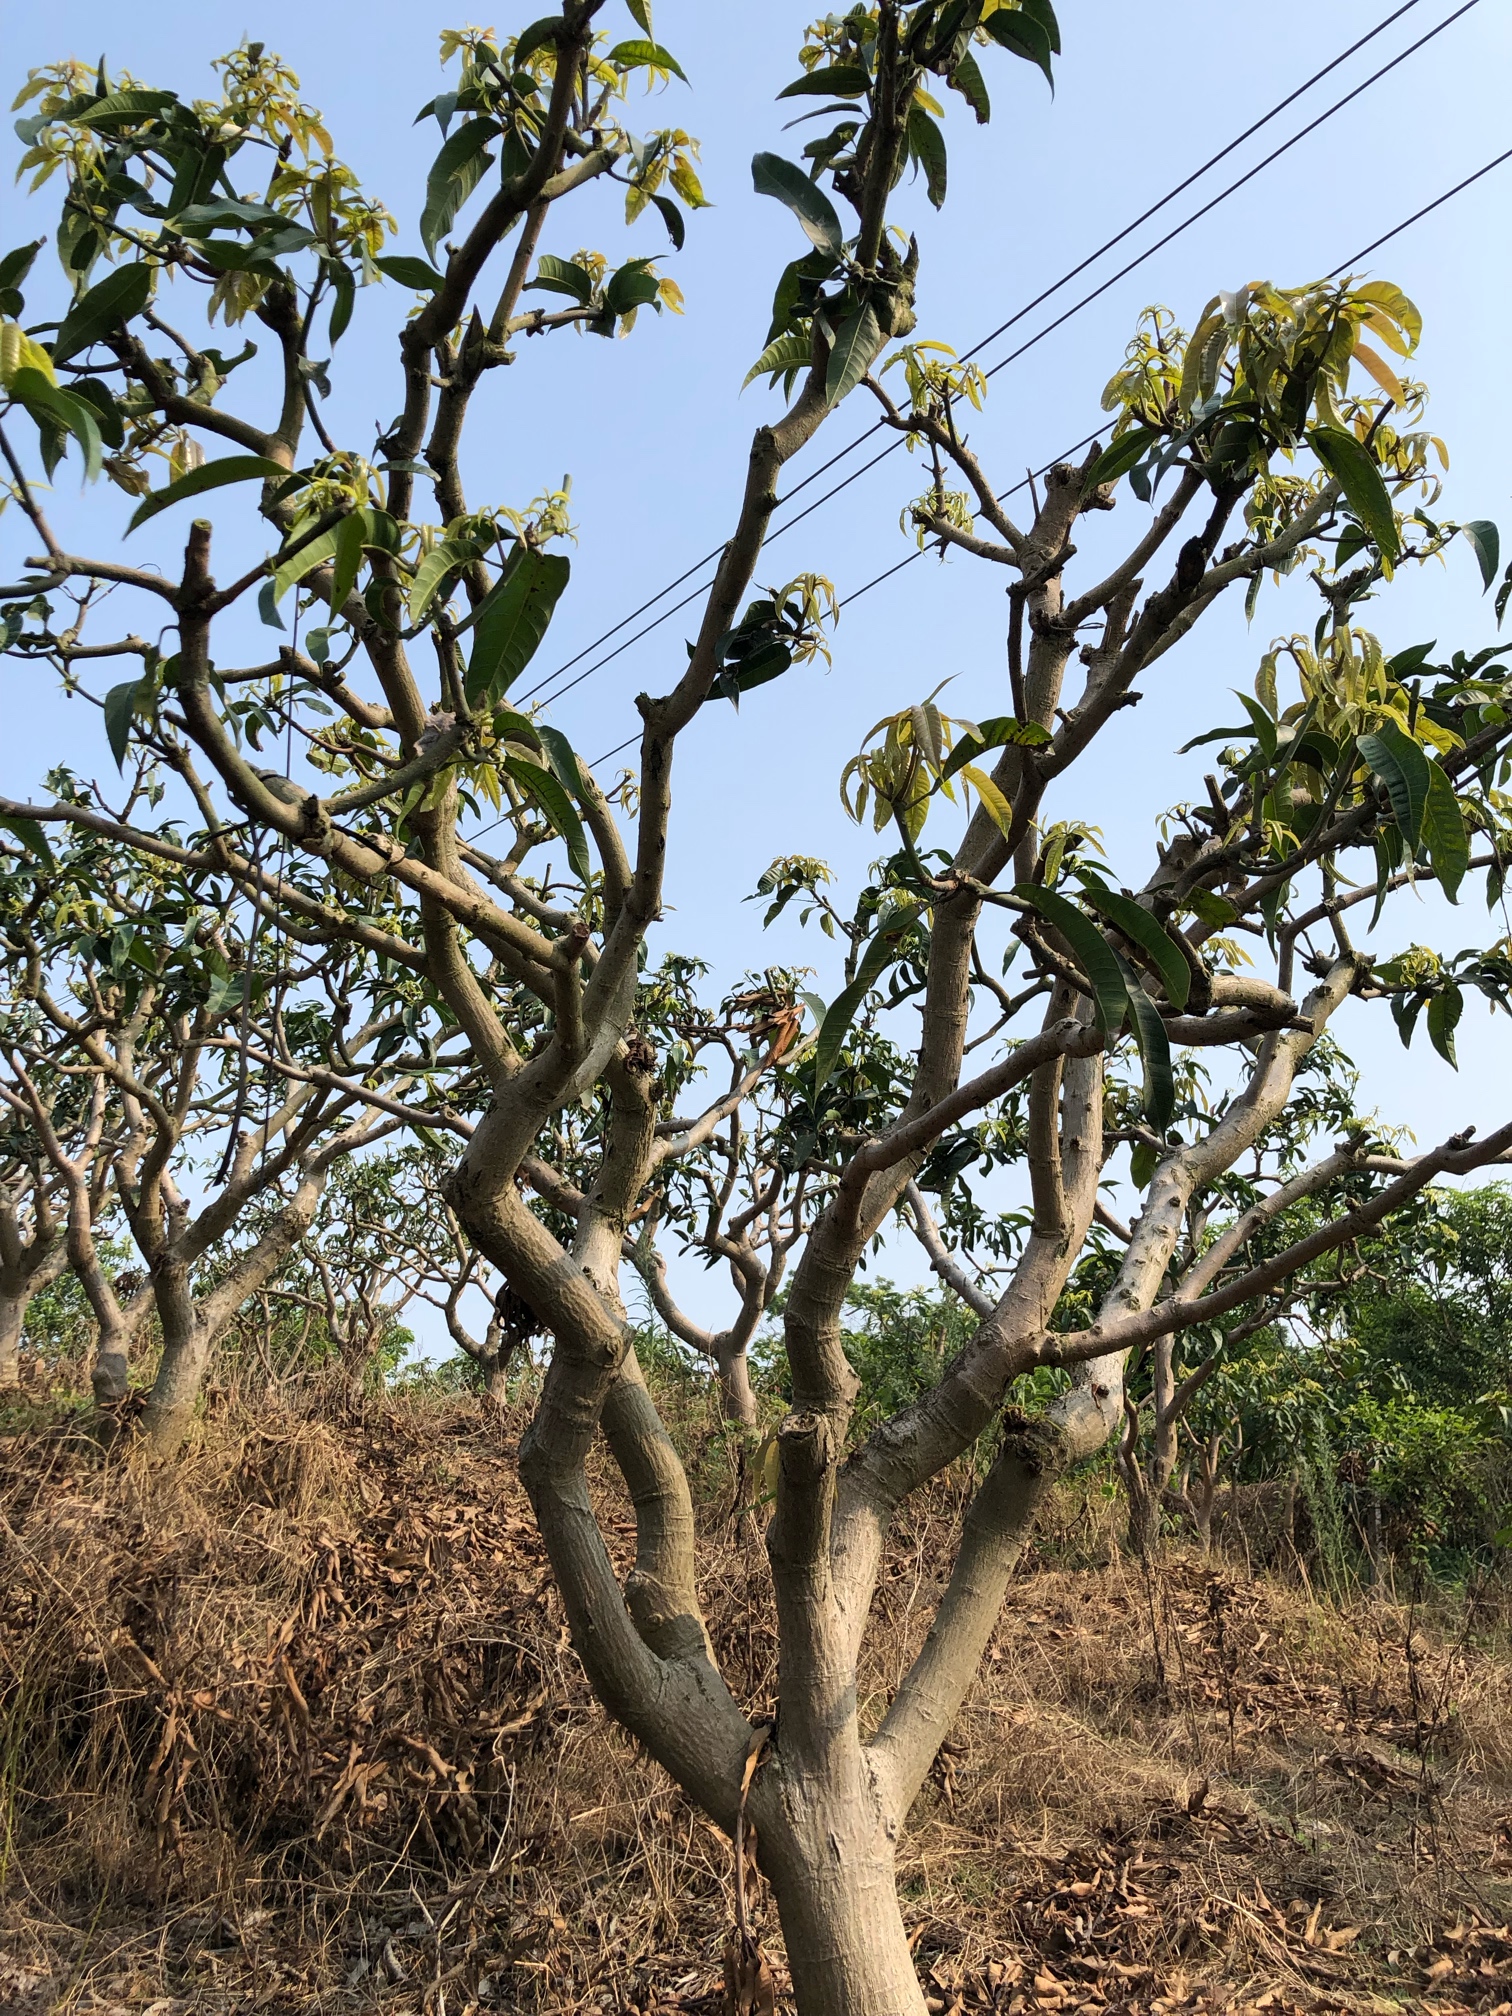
x=1403, y=768
x=1092, y=952
x=840, y=80
x=562, y=276
x=881, y=953
x=198, y=220
x=644, y=55
x=562, y=757
x=967, y=78
x=513, y=621
x=1144, y=1160
x=1444, y=831
x=1022, y=35
x=630, y=287
x=772, y=176
x=790, y=352
x=442, y=561
x=315, y=554
x=454, y=175
x=208, y=476
x=1213, y=910
x=999, y=731
x=1349, y=461
x=1042, y=12
x=1141, y=928
x=31, y=836
x=124, y=108
x=1158, y=1097
x=1444, y=1012
x=558, y=807
x=119, y=296
x=926, y=143
x=120, y=711
x=410, y=272
x=346, y=552
x=858, y=343
x=1120, y=457
x=672, y=217
x=1485, y=544
x=541, y=34
x=53, y=405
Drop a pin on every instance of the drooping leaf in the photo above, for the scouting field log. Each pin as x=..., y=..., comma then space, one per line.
x=1444, y=1012
x=927, y=145
x=208, y=476
x=562, y=757
x=672, y=217
x=548, y=793
x=120, y=711
x=454, y=175
x=1089, y=948
x=967, y=78
x=1485, y=544
x=1141, y=928
x=858, y=342
x=789, y=352
x=409, y=272
x=346, y=557
x=31, y=836
x=1144, y=1160
x=645, y=55
x=1158, y=1095
x=996, y=806
x=838, y=1017
x=1022, y=35
x=513, y=622
x=772, y=176
x=55, y=406
x=1350, y=461
x=119, y=296
x=1444, y=832
x=1403, y=768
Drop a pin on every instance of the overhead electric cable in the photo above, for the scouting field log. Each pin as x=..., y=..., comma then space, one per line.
x=1343, y=267
x=1065, y=279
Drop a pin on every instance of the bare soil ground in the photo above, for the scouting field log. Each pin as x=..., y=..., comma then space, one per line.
x=296, y=1726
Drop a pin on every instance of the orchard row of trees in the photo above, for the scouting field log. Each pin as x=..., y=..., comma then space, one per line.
x=349, y=893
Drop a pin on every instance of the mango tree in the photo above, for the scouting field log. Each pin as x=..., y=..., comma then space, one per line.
x=1276, y=437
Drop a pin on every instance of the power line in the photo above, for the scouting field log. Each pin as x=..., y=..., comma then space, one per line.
x=1343, y=267
x=1046, y=294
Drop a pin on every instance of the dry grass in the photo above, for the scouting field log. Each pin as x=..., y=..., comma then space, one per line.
x=296, y=1726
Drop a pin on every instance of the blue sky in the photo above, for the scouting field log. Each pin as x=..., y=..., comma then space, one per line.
x=654, y=430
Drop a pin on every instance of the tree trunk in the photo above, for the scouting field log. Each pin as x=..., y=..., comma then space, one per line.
x=836, y=1888
x=496, y=1382
x=12, y=1313
x=735, y=1391
x=181, y=1369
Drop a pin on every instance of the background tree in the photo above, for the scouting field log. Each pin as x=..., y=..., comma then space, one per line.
x=1249, y=449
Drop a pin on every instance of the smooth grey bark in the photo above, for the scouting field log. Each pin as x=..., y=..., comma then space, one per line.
x=18, y=1286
